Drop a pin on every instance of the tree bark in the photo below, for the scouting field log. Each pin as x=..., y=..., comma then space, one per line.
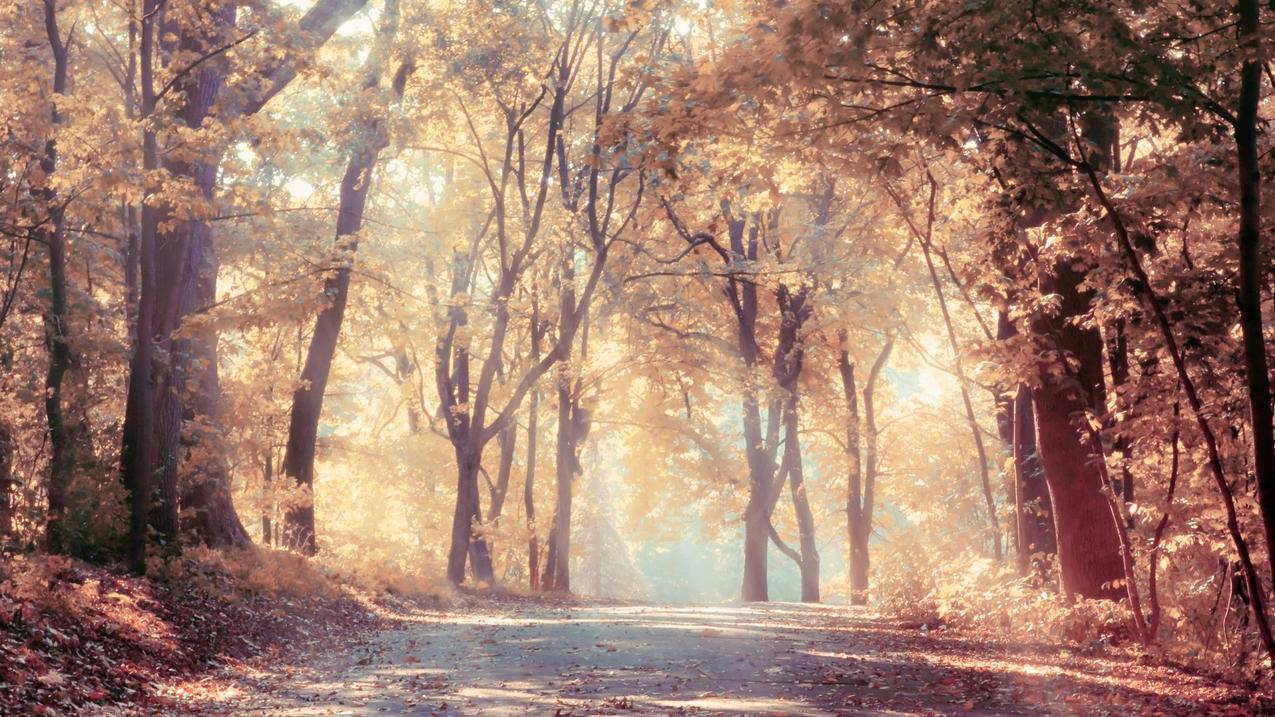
x=1118, y=363
x=56, y=319
x=794, y=310
x=307, y=400
x=1088, y=546
x=138, y=439
x=1032, y=511
x=855, y=534
x=760, y=445
x=809, y=564
x=528, y=492
x=1249, y=296
x=558, y=573
x=186, y=263
x=507, y=441
x=7, y=482
x=573, y=428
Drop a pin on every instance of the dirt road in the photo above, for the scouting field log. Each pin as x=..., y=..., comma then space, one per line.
x=775, y=659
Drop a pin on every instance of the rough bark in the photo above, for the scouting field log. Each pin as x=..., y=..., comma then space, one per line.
x=1071, y=383
x=469, y=427
x=760, y=441
x=558, y=571
x=871, y=454
x=809, y=553
x=188, y=266
x=528, y=490
x=1249, y=296
x=1248, y=575
x=138, y=439
x=56, y=319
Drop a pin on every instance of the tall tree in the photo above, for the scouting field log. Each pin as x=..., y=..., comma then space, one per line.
x=62, y=356
x=862, y=452
x=368, y=137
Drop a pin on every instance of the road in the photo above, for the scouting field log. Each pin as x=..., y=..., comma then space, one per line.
x=773, y=659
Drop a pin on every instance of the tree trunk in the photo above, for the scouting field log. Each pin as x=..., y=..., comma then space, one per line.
x=794, y=310
x=871, y=454
x=206, y=499
x=465, y=544
x=7, y=482
x=188, y=267
x=186, y=279
x=801, y=505
x=1005, y=422
x=507, y=441
x=528, y=491
x=759, y=447
x=855, y=534
x=558, y=574
x=1088, y=545
x=56, y=320
x=307, y=400
x=1251, y=266
x=1117, y=346
x=268, y=506
x=1033, y=515
x=138, y=439
x=573, y=427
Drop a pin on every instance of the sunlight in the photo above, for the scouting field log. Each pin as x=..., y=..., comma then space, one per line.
x=542, y=356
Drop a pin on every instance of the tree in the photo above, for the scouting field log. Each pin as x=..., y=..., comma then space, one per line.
x=368, y=137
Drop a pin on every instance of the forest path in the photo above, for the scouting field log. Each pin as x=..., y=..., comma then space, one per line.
x=772, y=659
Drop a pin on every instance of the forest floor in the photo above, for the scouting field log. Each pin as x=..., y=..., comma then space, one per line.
x=511, y=656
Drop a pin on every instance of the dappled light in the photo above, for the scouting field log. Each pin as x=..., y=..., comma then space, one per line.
x=566, y=357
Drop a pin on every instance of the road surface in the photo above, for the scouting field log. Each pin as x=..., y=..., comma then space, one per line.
x=772, y=659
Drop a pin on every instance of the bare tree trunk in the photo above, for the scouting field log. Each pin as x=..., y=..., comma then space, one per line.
x=1088, y=546
x=871, y=455
x=528, y=492
x=789, y=356
x=1251, y=266
x=855, y=534
x=268, y=506
x=186, y=277
x=507, y=441
x=56, y=320
x=307, y=400
x=138, y=444
x=538, y=329
x=809, y=564
x=558, y=574
x=759, y=447
x=7, y=482
x=1033, y=515
x=1118, y=362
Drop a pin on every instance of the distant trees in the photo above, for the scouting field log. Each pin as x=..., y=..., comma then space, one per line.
x=763, y=248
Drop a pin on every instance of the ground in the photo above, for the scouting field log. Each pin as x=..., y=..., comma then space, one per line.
x=509, y=657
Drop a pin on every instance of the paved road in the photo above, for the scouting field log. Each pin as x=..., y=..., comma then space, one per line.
x=775, y=659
